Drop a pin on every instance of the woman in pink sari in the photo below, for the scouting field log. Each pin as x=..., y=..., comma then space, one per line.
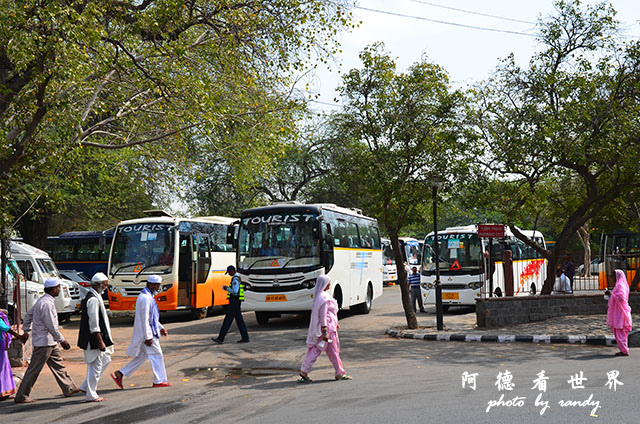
x=619, y=313
x=323, y=332
x=7, y=385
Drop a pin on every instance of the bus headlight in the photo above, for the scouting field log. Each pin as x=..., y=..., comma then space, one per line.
x=115, y=290
x=475, y=285
x=309, y=284
x=167, y=287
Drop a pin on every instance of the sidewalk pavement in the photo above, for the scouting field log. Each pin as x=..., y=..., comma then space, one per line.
x=585, y=329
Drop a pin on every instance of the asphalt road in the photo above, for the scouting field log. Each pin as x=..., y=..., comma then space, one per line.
x=394, y=380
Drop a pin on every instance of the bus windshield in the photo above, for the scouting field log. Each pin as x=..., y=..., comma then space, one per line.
x=412, y=250
x=143, y=248
x=459, y=252
x=387, y=254
x=278, y=241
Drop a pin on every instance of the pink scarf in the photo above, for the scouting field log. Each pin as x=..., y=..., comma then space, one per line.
x=619, y=311
x=320, y=297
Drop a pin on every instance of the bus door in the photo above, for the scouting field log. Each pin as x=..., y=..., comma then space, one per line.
x=185, y=269
x=200, y=271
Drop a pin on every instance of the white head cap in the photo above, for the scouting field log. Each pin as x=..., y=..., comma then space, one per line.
x=51, y=282
x=154, y=279
x=99, y=277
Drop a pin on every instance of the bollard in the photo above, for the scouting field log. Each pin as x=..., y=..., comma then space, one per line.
x=507, y=267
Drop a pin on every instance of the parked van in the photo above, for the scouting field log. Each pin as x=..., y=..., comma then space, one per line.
x=37, y=266
x=29, y=291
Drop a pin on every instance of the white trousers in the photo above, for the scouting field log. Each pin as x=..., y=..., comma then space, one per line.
x=95, y=369
x=157, y=365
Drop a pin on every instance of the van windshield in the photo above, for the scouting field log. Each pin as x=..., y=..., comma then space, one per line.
x=48, y=268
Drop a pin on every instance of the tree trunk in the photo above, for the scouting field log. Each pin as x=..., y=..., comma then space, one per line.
x=412, y=321
x=584, y=237
x=34, y=230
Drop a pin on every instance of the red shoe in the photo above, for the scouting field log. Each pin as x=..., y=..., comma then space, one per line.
x=163, y=384
x=117, y=380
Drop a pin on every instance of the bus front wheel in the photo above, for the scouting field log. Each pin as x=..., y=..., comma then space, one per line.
x=262, y=318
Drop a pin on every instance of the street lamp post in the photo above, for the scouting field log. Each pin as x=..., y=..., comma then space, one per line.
x=435, y=184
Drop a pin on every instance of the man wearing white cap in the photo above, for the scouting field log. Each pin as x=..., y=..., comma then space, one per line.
x=145, y=341
x=43, y=320
x=94, y=337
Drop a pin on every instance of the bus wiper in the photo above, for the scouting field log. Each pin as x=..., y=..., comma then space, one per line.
x=299, y=257
x=122, y=267
x=259, y=260
x=145, y=267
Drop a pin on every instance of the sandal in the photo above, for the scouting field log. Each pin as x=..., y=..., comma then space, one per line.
x=344, y=377
x=304, y=379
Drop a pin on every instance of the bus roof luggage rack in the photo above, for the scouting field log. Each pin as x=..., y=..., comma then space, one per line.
x=157, y=212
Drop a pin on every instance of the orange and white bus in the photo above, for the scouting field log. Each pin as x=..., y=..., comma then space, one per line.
x=190, y=255
x=619, y=250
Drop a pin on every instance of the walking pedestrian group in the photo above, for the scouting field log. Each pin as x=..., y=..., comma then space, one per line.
x=96, y=340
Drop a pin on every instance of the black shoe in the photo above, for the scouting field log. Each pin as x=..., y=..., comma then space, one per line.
x=243, y=341
x=217, y=340
x=621, y=354
x=423, y=311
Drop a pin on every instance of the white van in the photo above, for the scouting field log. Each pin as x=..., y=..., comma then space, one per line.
x=37, y=266
x=30, y=292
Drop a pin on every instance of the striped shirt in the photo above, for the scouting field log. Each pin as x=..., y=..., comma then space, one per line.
x=414, y=280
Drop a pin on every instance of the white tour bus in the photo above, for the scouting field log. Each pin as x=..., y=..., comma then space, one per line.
x=191, y=256
x=464, y=269
x=389, y=270
x=285, y=247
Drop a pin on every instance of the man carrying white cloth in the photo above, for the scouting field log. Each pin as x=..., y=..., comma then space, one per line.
x=95, y=337
x=145, y=341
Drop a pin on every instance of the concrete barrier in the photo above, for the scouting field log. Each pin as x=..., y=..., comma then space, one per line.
x=496, y=312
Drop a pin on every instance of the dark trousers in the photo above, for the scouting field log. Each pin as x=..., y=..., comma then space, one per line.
x=234, y=311
x=416, y=294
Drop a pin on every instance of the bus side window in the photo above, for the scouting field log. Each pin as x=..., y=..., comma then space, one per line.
x=354, y=236
x=340, y=237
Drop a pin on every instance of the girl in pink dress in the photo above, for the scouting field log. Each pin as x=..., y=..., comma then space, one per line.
x=619, y=313
x=323, y=332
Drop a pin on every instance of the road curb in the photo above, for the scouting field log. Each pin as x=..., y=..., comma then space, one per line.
x=503, y=338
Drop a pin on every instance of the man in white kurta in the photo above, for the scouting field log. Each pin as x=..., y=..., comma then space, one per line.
x=96, y=357
x=145, y=341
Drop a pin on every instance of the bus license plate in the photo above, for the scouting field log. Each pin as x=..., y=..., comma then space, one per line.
x=276, y=298
x=451, y=296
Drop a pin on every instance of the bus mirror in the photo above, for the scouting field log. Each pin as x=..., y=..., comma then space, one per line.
x=101, y=242
x=419, y=258
x=231, y=231
x=316, y=232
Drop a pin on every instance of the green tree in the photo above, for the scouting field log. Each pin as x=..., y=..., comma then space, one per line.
x=570, y=116
x=396, y=131
x=122, y=74
x=128, y=73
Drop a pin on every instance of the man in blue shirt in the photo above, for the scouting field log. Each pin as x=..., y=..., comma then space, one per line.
x=414, y=286
x=234, y=310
